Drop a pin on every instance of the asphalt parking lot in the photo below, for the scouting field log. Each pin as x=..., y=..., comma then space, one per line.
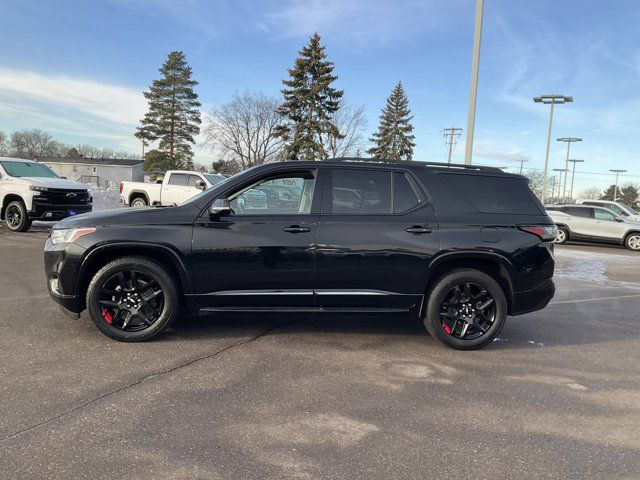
x=556, y=396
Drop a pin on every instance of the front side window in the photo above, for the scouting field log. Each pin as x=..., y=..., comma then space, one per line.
x=27, y=169
x=288, y=194
x=360, y=191
x=193, y=181
x=601, y=214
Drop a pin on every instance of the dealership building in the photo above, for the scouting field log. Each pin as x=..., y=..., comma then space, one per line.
x=101, y=172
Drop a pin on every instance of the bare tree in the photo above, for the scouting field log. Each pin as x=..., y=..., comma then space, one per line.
x=34, y=143
x=350, y=122
x=593, y=193
x=535, y=184
x=243, y=129
x=4, y=145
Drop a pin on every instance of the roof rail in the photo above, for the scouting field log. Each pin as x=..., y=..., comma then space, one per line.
x=418, y=163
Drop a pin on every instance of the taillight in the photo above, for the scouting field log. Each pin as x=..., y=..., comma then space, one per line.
x=120, y=187
x=544, y=232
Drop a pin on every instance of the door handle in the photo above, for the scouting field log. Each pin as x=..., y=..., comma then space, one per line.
x=417, y=229
x=296, y=229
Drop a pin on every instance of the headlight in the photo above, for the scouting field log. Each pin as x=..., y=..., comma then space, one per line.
x=69, y=235
x=37, y=188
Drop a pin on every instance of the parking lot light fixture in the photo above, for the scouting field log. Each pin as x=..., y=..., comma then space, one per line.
x=549, y=99
x=615, y=190
x=573, y=174
x=568, y=141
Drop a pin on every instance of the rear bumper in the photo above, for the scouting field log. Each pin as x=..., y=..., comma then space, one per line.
x=532, y=300
x=47, y=211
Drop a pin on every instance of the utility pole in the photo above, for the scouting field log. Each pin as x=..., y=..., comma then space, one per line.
x=549, y=99
x=553, y=186
x=569, y=141
x=475, y=65
x=560, y=170
x=453, y=135
x=615, y=191
x=573, y=174
x=522, y=160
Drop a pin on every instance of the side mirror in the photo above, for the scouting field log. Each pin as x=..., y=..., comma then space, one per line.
x=201, y=185
x=618, y=219
x=220, y=207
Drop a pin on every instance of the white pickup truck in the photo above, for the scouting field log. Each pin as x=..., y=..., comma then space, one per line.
x=32, y=191
x=177, y=186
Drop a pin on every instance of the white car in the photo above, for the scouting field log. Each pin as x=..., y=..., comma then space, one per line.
x=32, y=191
x=177, y=187
x=616, y=207
x=594, y=224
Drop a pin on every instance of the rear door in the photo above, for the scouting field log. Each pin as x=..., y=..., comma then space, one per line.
x=376, y=236
x=581, y=222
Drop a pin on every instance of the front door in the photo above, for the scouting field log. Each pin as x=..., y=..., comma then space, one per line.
x=262, y=255
x=376, y=236
x=607, y=226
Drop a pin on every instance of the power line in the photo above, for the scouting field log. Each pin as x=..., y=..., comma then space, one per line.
x=453, y=134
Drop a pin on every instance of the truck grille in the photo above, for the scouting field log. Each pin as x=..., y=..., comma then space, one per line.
x=64, y=197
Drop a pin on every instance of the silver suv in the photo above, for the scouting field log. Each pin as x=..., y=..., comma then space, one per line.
x=594, y=224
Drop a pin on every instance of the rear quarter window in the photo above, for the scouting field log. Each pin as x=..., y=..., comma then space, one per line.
x=489, y=194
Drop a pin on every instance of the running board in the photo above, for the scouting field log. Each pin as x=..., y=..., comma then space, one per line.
x=208, y=310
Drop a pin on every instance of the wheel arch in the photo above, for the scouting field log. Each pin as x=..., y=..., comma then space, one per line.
x=101, y=255
x=8, y=198
x=137, y=194
x=493, y=264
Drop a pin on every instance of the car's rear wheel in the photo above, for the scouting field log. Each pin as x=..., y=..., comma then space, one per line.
x=132, y=299
x=562, y=235
x=466, y=309
x=16, y=217
x=632, y=242
x=139, y=202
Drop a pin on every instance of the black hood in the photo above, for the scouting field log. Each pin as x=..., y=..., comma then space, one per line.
x=133, y=216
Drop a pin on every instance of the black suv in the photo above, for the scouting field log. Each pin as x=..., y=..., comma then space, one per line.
x=460, y=246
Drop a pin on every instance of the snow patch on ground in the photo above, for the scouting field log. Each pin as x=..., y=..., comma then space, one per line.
x=105, y=198
x=588, y=265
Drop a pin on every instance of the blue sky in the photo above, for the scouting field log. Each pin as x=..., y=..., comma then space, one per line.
x=77, y=68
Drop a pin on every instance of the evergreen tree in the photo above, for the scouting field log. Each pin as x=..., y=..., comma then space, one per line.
x=630, y=196
x=309, y=102
x=173, y=117
x=608, y=194
x=393, y=140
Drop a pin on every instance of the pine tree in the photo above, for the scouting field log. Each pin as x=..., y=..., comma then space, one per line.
x=309, y=102
x=393, y=140
x=173, y=117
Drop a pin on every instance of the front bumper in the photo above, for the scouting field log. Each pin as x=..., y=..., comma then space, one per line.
x=62, y=266
x=532, y=300
x=47, y=211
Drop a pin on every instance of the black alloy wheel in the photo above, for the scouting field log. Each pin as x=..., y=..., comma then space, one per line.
x=16, y=217
x=466, y=309
x=132, y=299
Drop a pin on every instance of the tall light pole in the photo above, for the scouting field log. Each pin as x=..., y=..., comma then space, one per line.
x=615, y=192
x=573, y=174
x=568, y=141
x=560, y=170
x=553, y=185
x=522, y=160
x=471, y=120
x=549, y=99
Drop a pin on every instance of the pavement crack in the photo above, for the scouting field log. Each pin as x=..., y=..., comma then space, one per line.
x=145, y=378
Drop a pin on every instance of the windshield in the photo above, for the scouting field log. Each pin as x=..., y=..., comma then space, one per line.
x=629, y=209
x=214, y=179
x=27, y=169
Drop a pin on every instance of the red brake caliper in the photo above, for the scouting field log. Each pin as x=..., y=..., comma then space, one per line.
x=107, y=315
x=446, y=327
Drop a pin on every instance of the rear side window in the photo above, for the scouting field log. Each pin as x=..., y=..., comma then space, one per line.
x=404, y=194
x=494, y=194
x=579, y=212
x=361, y=191
x=178, y=179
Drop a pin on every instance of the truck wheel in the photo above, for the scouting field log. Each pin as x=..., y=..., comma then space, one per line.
x=132, y=299
x=16, y=217
x=466, y=309
x=138, y=202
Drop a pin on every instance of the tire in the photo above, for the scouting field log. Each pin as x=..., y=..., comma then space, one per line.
x=632, y=242
x=562, y=236
x=110, y=319
x=16, y=217
x=139, y=202
x=438, y=317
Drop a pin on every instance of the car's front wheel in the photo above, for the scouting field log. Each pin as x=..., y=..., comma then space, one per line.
x=132, y=299
x=632, y=241
x=16, y=217
x=466, y=309
x=562, y=236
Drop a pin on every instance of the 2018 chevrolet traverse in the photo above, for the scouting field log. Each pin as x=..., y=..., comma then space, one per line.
x=462, y=247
